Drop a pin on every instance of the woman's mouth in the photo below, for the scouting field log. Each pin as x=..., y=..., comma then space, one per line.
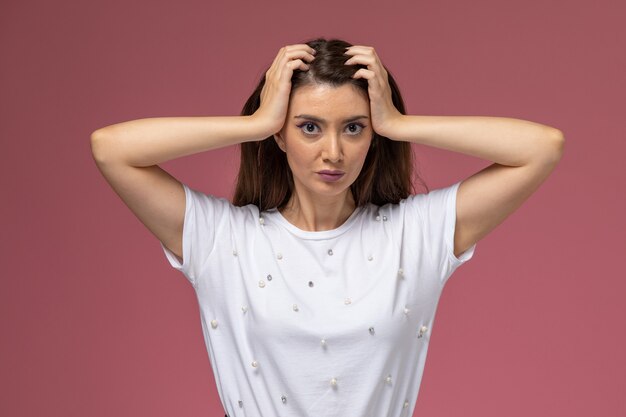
x=330, y=175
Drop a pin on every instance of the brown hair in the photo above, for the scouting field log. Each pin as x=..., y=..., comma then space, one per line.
x=386, y=176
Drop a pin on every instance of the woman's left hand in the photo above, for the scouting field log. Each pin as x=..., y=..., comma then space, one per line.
x=383, y=112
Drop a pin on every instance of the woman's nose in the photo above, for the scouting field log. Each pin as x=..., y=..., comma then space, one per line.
x=332, y=148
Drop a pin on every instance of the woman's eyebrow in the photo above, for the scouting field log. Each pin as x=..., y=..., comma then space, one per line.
x=322, y=121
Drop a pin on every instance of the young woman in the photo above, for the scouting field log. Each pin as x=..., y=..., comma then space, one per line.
x=318, y=285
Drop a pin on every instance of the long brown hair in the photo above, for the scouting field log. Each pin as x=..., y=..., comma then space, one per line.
x=386, y=176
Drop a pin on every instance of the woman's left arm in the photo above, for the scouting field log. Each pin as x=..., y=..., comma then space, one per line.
x=524, y=153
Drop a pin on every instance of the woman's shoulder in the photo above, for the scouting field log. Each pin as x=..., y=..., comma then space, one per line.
x=431, y=194
x=427, y=204
x=412, y=203
x=215, y=203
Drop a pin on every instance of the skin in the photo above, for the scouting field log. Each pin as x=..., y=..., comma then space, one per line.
x=331, y=143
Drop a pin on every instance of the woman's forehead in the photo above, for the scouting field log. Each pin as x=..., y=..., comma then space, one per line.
x=324, y=99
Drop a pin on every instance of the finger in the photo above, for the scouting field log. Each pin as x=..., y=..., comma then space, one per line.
x=300, y=47
x=364, y=73
x=360, y=49
x=306, y=54
x=361, y=59
x=297, y=64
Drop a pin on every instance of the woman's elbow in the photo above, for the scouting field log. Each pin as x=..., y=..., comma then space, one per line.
x=101, y=145
x=556, y=145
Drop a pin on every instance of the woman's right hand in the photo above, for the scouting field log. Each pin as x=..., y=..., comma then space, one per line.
x=275, y=93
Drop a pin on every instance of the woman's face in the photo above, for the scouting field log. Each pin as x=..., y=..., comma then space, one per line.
x=326, y=136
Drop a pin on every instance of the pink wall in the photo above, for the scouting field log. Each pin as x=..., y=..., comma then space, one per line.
x=96, y=323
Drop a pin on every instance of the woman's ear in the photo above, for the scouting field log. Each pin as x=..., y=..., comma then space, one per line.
x=278, y=137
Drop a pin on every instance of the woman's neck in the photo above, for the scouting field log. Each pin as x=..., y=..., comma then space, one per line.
x=318, y=214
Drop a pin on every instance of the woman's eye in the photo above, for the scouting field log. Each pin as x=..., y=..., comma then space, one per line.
x=308, y=127
x=355, y=128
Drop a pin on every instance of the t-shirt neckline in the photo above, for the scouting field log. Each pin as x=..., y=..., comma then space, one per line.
x=308, y=234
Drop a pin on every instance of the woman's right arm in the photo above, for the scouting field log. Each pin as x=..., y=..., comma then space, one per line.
x=127, y=155
x=147, y=142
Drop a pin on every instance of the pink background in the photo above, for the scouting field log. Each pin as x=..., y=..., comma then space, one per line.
x=95, y=322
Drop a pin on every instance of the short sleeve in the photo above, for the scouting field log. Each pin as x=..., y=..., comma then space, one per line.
x=205, y=215
x=437, y=212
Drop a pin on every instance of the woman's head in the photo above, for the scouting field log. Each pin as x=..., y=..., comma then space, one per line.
x=384, y=174
x=326, y=138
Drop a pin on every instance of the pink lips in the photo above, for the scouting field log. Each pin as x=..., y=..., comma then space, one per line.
x=330, y=175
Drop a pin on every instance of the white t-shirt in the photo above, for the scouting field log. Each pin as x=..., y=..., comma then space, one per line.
x=328, y=323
